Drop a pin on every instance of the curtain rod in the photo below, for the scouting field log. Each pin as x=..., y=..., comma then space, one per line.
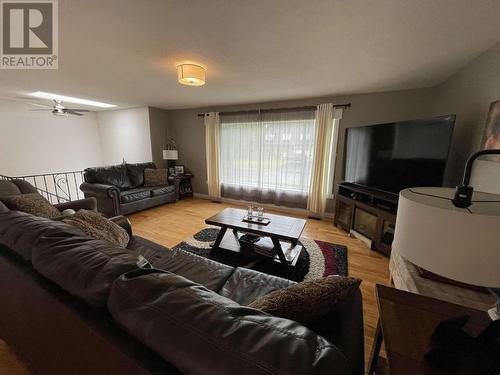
x=345, y=105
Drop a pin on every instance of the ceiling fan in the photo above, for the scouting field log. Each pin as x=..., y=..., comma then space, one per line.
x=59, y=110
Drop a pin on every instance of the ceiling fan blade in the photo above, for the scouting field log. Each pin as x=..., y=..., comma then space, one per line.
x=77, y=109
x=39, y=110
x=41, y=105
x=72, y=112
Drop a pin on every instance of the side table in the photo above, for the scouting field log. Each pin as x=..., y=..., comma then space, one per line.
x=406, y=324
x=183, y=187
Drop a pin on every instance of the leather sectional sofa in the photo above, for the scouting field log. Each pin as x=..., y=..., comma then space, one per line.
x=119, y=189
x=75, y=305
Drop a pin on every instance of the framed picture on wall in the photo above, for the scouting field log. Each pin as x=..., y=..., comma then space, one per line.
x=171, y=171
x=491, y=137
x=179, y=170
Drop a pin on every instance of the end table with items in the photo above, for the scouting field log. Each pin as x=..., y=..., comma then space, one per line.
x=406, y=326
x=183, y=186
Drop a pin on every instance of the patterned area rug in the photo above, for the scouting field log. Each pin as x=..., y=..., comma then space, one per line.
x=317, y=259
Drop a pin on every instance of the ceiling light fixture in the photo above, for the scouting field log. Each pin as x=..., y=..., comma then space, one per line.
x=191, y=74
x=70, y=99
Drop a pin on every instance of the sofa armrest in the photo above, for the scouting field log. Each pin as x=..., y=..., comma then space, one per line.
x=99, y=190
x=345, y=329
x=108, y=197
x=81, y=204
x=124, y=223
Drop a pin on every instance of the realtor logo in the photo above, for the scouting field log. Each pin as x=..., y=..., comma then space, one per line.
x=29, y=34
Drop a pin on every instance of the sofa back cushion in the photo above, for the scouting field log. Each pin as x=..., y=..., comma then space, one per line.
x=212, y=275
x=3, y=207
x=115, y=175
x=136, y=173
x=20, y=231
x=246, y=285
x=84, y=267
x=201, y=332
x=24, y=186
x=8, y=188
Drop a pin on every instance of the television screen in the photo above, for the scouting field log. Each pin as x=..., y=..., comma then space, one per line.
x=395, y=156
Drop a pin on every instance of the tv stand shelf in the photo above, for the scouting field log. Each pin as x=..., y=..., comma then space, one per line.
x=369, y=212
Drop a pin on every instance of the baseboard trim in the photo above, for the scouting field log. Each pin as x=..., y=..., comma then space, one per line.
x=326, y=215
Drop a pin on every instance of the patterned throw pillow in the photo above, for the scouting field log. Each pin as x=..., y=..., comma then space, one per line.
x=155, y=177
x=309, y=300
x=32, y=203
x=99, y=227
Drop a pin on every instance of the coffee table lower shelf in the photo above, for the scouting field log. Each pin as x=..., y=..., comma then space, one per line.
x=230, y=243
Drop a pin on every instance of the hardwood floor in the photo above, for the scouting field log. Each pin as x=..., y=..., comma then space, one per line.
x=172, y=223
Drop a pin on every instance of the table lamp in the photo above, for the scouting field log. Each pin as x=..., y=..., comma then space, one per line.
x=170, y=156
x=456, y=239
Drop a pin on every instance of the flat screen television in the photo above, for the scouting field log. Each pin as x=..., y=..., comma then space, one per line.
x=398, y=155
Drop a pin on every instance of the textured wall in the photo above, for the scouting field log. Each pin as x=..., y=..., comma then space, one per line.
x=125, y=135
x=469, y=93
x=159, y=132
x=187, y=128
x=39, y=142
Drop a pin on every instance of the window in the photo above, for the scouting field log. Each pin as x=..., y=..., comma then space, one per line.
x=268, y=156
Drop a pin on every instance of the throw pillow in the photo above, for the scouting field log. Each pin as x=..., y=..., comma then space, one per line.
x=99, y=227
x=155, y=177
x=32, y=203
x=309, y=300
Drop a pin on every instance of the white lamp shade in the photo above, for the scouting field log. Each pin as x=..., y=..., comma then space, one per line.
x=460, y=244
x=170, y=155
x=191, y=74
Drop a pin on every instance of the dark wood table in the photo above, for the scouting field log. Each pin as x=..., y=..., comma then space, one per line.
x=406, y=324
x=284, y=232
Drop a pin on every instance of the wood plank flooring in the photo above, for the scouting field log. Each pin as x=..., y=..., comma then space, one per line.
x=172, y=223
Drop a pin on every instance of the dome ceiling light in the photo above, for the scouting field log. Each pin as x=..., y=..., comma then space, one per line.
x=191, y=74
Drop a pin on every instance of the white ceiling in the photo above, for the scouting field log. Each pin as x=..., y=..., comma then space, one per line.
x=125, y=51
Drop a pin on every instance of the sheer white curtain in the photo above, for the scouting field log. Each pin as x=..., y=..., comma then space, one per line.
x=212, y=137
x=268, y=156
x=327, y=120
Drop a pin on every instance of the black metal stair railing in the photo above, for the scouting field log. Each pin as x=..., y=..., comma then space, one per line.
x=56, y=187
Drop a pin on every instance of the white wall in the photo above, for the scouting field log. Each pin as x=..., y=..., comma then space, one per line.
x=125, y=135
x=38, y=142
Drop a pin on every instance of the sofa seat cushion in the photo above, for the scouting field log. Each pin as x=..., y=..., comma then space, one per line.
x=33, y=203
x=161, y=190
x=115, y=175
x=84, y=267
x=133, y=195
x=201, y=332
x=21, y=232
x=245, y=285
x=201, y=270
x=136, y=173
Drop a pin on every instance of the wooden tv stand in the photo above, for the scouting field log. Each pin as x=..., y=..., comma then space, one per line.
x=369, y=212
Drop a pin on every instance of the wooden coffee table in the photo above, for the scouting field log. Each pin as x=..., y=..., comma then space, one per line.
x=284, y=232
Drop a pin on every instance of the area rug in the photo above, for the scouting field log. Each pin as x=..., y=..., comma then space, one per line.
x=317, y=259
